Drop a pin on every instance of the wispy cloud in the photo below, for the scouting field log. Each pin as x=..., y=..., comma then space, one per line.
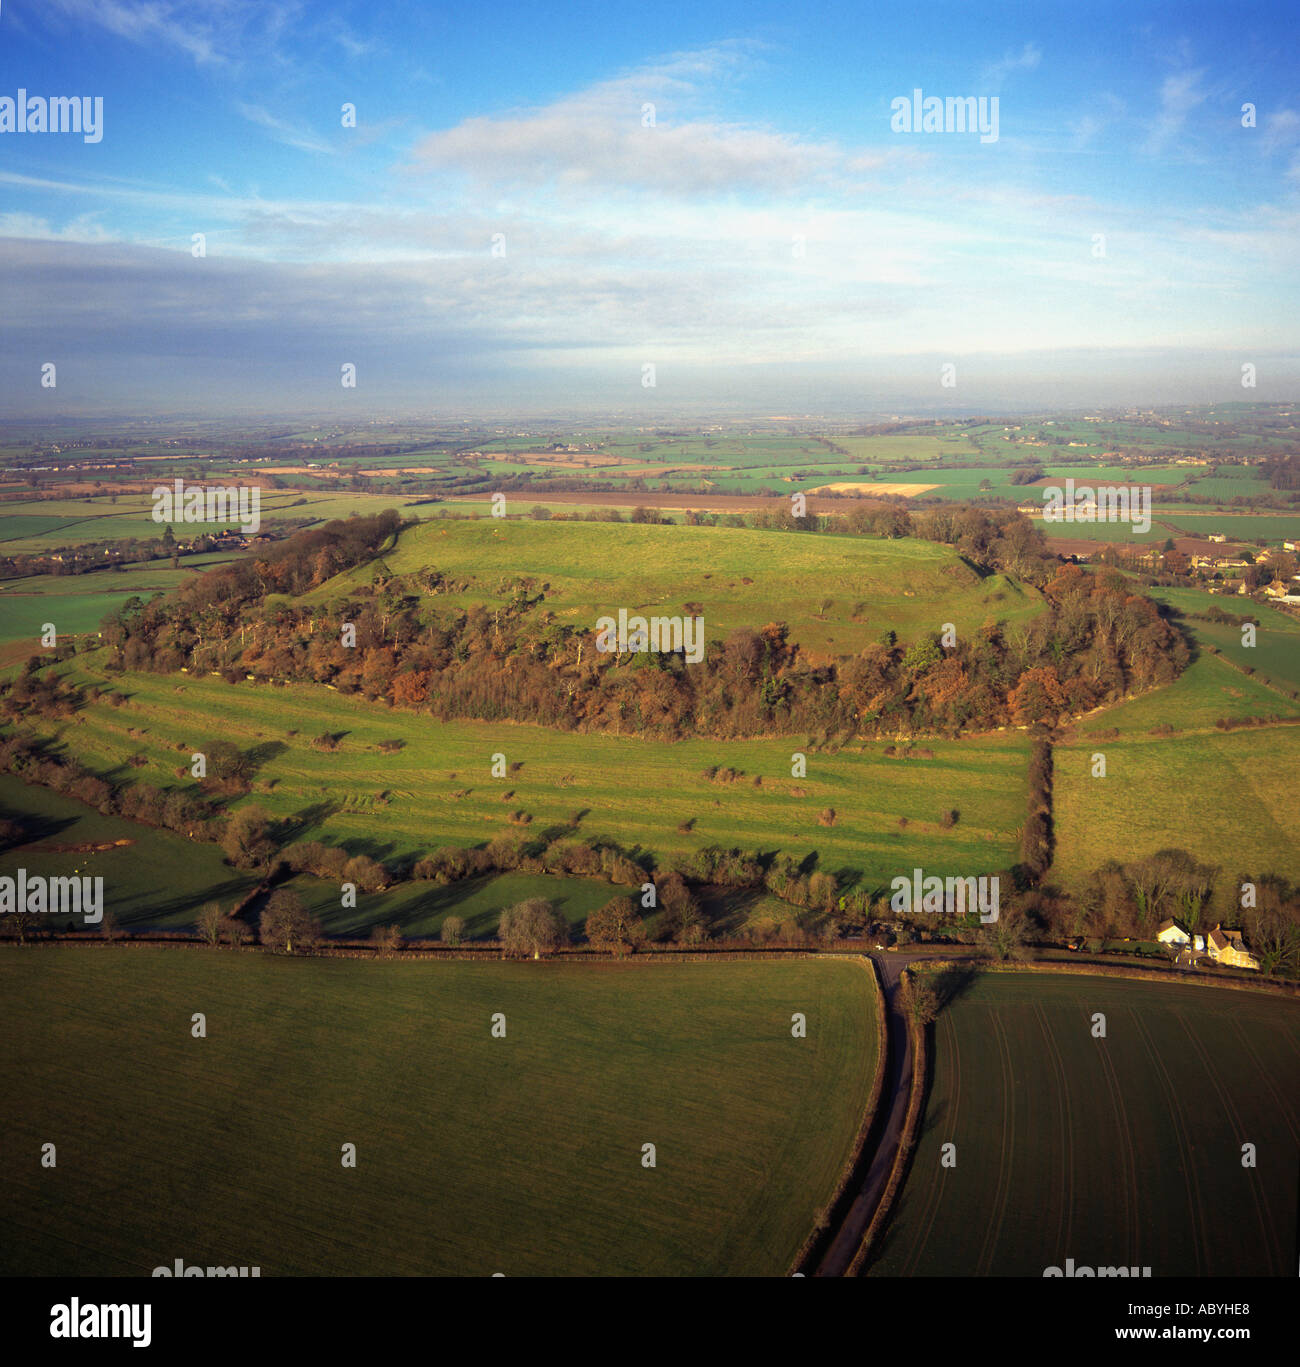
x=1027, y=59
x=1180, y=94
x=1104, y=111
x=290, y=134
x=1280, y=128
x=83, y=228
x=210, y=32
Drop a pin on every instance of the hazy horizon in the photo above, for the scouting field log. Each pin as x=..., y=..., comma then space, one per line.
x=524, y=216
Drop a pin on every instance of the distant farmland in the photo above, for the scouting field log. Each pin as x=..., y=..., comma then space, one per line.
x=1123, y=1151
x=475, y=1154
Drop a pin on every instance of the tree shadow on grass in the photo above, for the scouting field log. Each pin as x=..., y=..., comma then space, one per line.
x=260, y=755
x=150, y=911
x=34, y=828
x=952, y=983
x=728, y=909
x=374, y=849
x=295, y=827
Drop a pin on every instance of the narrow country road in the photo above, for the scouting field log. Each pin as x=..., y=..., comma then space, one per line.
x=893, y=1101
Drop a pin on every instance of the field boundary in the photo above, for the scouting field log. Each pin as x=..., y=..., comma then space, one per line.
x=836, y=1207
x=1252, y=672
x=183, y=940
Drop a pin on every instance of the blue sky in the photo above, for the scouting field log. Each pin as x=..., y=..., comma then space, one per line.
x=767, y=241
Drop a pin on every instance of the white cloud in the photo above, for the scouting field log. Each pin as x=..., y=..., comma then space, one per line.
x=602, y=136
x=83, y=228
x=1280, y=129
x=290, y=134
x=1027, y=59
x=1180, y=94
x=207, y=31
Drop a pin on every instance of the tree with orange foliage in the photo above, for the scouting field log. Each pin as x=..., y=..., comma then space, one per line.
x=1037, y=696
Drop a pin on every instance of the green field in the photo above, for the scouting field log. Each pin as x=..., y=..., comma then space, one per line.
x=1226, y=798
x=475, y=1155
x=1231, y=486
x=1271, y=528
x=418, y=909
x=1122, y=532
x=133, y=887
x=1123, y=1151
x=1275, y=656
x=1209, y=688
x=37, y=525
x=438, y=788
x=891, y=450
x=77, y=603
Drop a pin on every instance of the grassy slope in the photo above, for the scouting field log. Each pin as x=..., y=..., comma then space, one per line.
x=633, y=791
x=1226, y=797
x=1122, y=1151
x=142, y=899
x=475, y=1155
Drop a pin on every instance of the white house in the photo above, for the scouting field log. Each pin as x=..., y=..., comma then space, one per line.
x=1227, y=947
x=1171, y=933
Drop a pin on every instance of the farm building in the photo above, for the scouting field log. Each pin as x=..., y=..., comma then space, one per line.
x=1221, y=946
x=1227, y=947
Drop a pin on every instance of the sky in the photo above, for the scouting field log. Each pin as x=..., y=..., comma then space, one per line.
x=538, y=209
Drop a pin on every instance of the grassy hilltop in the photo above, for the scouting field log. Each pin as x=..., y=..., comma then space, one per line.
x=837, y=593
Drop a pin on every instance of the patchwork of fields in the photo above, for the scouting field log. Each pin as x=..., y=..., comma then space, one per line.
x=46, y=524
x=523, y=1155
